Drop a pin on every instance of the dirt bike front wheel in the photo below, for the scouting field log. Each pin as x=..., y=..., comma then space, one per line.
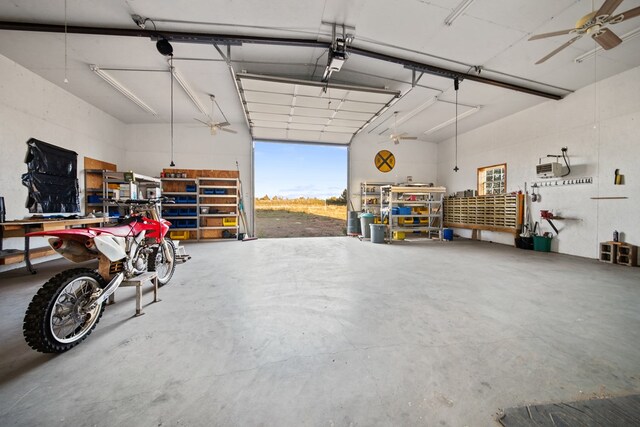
x=158, y=262
x=61, y=315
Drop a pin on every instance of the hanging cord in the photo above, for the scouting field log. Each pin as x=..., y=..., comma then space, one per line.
x=456, y=85
x=66, y=80
x=566, y=162
x=171, y=72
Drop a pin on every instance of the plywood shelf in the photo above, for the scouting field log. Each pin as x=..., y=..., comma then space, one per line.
x=209, y=224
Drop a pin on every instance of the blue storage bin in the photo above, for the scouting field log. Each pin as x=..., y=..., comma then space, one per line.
x=191, y=189
x=170, y=212
x=94, y=198
x=216, y=191
x=185, y=199
x=395, y=211
x=190, y=223
x=188, y=212
x=404, y=210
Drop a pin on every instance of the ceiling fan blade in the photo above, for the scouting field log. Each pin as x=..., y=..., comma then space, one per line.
x=223, y=124
x=397, y=135
x=553, y=34
x=204, y=123
x=228, y=130
x=607, y=39
x=563, y=46
x=608, y=7
x=407, y=137
x=631, y=13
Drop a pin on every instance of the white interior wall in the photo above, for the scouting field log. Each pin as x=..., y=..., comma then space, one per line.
x=32, y=107
x=599, y=142
x=149, y=151
x=417, y=159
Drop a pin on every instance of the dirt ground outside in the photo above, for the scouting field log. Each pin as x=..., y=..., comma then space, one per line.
x=281, y=223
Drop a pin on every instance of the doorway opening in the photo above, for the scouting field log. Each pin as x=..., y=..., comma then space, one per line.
x=300, y=189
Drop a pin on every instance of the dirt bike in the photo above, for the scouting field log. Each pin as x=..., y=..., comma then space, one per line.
x=68, y=307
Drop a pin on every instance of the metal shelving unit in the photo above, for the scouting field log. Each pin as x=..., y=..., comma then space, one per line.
x=370, y=196
x=423, y=206
x=110, y=178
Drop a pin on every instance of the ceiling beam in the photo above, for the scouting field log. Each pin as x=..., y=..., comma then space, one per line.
x=211, y=38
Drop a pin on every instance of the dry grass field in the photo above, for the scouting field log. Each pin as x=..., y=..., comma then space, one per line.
x=308, y=206
x=299, y=218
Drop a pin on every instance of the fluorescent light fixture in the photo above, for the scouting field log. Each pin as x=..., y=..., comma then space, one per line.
x=452, y=120
x=420, y=108
x=457, y=12
x=591, y=53
x=123, y=90
x=189, y=91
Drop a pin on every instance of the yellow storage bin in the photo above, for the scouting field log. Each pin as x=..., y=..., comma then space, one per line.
x=229, y=222
x=405, y=220
x=398, y=235
x=179, y=235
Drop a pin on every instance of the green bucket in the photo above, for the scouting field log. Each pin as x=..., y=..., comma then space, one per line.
x=542, y=244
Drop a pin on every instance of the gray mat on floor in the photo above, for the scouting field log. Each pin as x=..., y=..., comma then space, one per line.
x=619, y=411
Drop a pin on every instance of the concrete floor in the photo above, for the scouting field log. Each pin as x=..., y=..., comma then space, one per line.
x=334, y=331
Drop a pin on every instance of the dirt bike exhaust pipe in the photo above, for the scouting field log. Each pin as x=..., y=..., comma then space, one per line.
x=110, y=288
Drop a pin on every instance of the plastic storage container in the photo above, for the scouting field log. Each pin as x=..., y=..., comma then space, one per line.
x=542, y=244
x=447, y=234
x=366, y=219
x=353, y=224
x=377, y=233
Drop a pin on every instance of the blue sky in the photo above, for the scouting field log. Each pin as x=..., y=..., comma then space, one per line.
x=299, y=170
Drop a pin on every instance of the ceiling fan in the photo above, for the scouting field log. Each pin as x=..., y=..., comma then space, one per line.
x=595, y=25
x=216, y=126
x=395, y=136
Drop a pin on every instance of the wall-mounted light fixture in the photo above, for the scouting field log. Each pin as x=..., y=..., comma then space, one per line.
x=457, y=12
x=123, y=90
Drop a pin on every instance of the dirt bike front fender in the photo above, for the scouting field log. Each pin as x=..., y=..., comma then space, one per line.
x=168, y=253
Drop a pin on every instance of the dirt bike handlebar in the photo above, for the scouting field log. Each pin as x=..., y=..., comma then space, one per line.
x=143, y=202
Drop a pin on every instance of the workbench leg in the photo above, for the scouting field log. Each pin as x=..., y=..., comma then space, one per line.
x=139, y=300
x=155, y=290
x=27, y=261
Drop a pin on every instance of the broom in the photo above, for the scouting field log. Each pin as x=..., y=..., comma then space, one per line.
x=243, y=214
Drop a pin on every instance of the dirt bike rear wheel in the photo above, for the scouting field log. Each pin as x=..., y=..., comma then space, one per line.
x=58, y=317
x=159, y=263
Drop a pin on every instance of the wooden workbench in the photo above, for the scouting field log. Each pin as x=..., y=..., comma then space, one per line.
x=20, y=228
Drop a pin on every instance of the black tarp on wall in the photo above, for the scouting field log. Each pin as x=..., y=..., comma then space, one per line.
x=51, y=178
